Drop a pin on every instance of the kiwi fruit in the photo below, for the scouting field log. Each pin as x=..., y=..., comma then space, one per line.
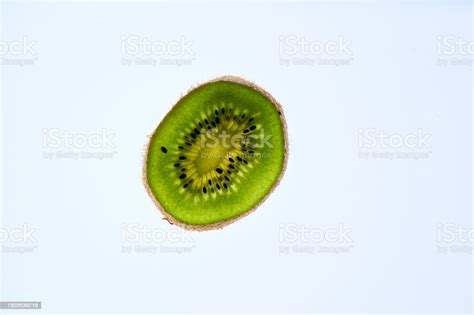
x=217, y=155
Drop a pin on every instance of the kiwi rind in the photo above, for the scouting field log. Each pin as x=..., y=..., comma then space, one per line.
x=219, y=225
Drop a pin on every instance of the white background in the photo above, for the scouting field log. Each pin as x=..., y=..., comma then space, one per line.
x=78, y=208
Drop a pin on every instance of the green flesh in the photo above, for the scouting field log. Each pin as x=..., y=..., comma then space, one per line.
x=188, y=166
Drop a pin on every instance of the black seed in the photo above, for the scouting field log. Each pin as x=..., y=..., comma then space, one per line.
x=188, y=143
x=163, y=149
x=218, y=170
x=217, y=120
x=232, y=166
x=251, y=151
x=216, y=112
x=246, y=162
x=204, y=190
x=218, y=187
x=243, y=145
x=206, y=121
x=193, y=135
x=243, y=115
x=246, y=131
x=225, y=185
x=239, y=158
x=180, y=147
x=223, y=110
x=210, y=182
x=182, y=176
x=183, y=169
x=229, y=172
x=200, y=124
x=279, y=113
x=177, y=165
x=196, y=131
x=253, y=127
x=182, y=158
x=232, y=160
x=213, y=124
x=227, y=178
x=186, y=185
x=251, y=119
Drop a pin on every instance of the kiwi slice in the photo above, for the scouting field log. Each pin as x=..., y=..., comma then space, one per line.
x=217, y=155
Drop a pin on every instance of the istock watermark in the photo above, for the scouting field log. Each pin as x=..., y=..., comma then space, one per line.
x=373, y=143
x=454, y=238
x=143, y=50
x=65, y=144
x=211, y=139
x=18, y=239
x=303, y=239
x=301, y=51
x=144, y=239
x=20, y=52
x=454, y=50
x=215, y=143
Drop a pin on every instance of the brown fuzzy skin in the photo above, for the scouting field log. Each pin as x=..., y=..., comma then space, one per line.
x=215, y=226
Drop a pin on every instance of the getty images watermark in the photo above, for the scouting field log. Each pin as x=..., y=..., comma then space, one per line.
x=379, y=144
x=142, y=50
x=303, y=239
x=302, y=51
x=454, y=238
x=18, y=239
x=144, y=239
x=63, y=144
x=19, y=52
x=453, y=50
